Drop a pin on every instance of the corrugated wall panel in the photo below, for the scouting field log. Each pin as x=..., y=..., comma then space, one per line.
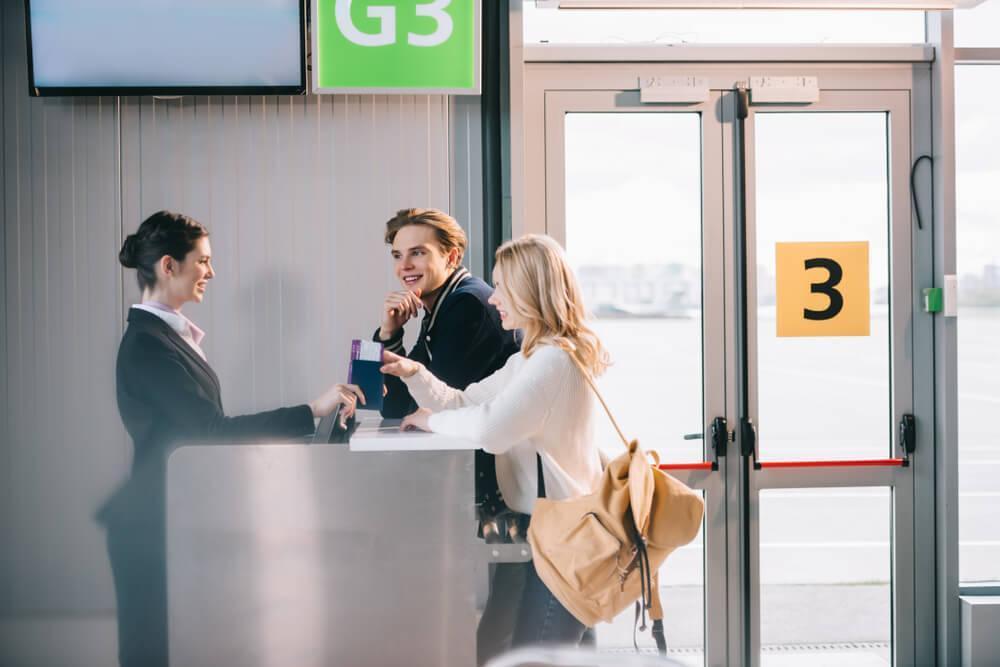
x=64, y=447
x=295, y=191
x=467, y=175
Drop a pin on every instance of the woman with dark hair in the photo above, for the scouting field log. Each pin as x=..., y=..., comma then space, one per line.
x=168, y=394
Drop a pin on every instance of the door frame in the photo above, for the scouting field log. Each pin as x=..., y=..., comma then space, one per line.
x=544, y=85
x=710, y=482
x=897, y=104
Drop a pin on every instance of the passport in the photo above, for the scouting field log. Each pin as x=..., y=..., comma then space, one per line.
x=366, y=360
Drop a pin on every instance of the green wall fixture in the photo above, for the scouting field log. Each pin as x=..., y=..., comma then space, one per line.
x=933, y=299
x=396, y=46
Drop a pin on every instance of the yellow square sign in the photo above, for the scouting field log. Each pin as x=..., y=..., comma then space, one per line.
x=822, y=289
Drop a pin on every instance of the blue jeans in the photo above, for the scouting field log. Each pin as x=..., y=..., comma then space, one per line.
x=496, y=627
x=541, y=618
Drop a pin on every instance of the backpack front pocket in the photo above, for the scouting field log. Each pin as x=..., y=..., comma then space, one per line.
x=587, y=556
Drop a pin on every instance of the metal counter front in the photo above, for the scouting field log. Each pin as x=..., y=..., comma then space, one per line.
x=314, y=555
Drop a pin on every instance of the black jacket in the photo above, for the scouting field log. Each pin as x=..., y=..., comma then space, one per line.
x=461, y=341
x=168, y=394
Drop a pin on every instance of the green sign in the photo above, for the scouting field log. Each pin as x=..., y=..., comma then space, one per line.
x=396, y=46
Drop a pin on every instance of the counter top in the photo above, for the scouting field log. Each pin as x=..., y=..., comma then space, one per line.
x=375, y=434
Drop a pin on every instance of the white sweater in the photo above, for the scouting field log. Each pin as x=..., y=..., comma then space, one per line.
x=538, y=404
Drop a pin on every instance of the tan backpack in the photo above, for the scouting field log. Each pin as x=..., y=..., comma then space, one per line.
x=600, y=553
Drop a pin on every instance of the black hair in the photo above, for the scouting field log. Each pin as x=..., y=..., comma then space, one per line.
x=163, y=233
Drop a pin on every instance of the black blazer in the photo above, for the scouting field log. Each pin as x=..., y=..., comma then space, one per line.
x=461, y=341
x=168, y=394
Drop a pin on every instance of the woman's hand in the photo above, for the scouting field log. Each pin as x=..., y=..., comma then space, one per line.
x=417, y=421
x=339, y=394
x=401, y=367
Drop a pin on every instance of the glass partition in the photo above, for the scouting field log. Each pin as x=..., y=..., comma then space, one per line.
x=822, y=177
x=825, y=563
x=977, y=136
x=979, y=26
x=676, y=26
x=633, y=235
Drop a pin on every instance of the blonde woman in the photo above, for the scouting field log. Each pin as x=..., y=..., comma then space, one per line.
x=535, y=413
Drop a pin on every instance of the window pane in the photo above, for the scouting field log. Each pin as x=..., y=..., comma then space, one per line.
x=978, y=247
x=825, y=575
x=822, y=397
x=978, y=27
x=595, y=26
x=633, y=235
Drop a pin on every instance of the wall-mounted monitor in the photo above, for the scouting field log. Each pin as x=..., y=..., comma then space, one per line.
x=166, y=47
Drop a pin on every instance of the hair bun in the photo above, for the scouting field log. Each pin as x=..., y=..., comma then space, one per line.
x=127, y=255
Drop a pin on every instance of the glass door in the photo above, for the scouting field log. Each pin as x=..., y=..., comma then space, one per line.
x=824, y=306
x=749, y=268
x=635, y=194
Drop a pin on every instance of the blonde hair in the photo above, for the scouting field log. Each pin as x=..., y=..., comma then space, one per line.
x=447, y=231
x=542, y=290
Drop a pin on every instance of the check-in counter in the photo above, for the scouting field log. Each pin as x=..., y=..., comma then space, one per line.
x=309, y=555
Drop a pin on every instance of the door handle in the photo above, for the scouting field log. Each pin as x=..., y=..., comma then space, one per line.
x=720, y=439
x=748, y=440
x=907, y=436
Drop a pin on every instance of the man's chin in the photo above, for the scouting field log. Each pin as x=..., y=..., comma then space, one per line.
x=427, y=294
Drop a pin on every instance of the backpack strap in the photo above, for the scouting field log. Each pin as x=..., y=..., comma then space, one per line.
x=655, y=606
x=659, y=637
x=649, y=600
x=541, y=477
x=656, y=613
x=590, y=381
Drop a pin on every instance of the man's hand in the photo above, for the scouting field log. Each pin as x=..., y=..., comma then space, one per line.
x=397, y=310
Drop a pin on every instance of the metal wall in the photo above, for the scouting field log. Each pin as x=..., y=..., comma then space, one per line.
x=294, y=191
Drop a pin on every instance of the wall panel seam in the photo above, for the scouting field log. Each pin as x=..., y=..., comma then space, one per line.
x=121, y=211
x=6, y=411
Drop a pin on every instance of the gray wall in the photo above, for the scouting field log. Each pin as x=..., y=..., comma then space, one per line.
x=294, y=191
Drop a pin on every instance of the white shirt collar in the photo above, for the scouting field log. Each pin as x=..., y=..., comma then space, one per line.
x=184, y=327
